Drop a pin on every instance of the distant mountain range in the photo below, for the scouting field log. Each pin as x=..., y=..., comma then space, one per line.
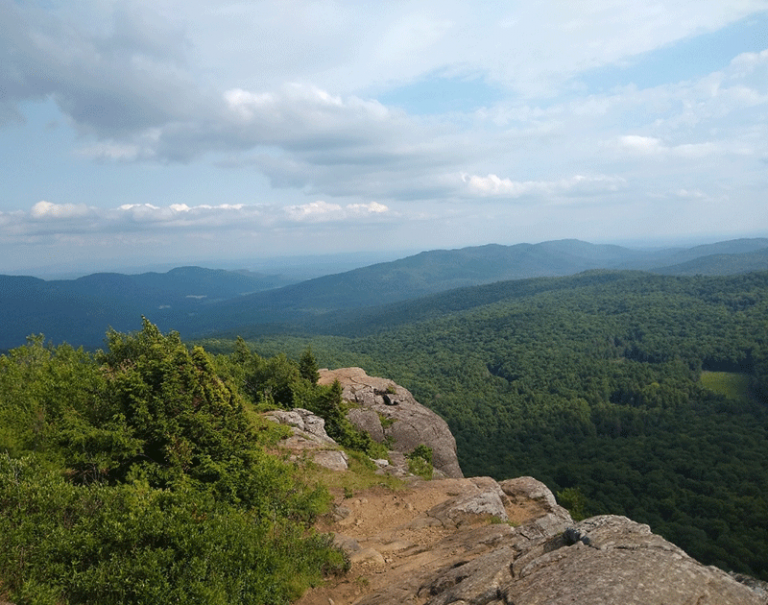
x=79, y=311
x=720, y=264
x=199, y=301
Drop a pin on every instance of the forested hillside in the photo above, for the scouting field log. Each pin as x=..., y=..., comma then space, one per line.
x=81, y=310
x=593, y=384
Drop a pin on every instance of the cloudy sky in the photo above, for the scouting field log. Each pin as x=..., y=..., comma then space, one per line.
x=191, y=130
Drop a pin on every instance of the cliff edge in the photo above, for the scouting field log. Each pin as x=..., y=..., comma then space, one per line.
x=476, y=541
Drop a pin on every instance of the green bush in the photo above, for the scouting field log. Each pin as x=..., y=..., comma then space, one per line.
x=136, y=544
x=136, y=476
x=575, y=501
x=420, y=461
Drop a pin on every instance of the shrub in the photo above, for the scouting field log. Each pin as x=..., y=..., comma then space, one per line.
x=136, y=544
x=135, y=476
x=420, y=461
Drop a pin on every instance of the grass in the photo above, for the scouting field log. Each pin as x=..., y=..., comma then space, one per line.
x=360, y=476
x=386, y=421
x=733, y=385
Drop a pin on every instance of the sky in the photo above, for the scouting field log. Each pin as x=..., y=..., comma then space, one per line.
x=190, y=131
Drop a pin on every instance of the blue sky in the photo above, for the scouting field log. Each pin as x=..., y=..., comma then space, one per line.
x=211, y=132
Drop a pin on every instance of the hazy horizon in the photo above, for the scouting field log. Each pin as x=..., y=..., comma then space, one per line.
x=304, y=266
x=136, y=134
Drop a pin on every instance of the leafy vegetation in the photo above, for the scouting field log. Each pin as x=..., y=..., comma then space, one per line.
x=136, y=475
x=420, y=462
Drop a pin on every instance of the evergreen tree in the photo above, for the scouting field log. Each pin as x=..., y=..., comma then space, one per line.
x=308, y=366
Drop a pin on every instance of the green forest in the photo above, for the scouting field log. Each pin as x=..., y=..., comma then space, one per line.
x=625, y=392
x=141, y=474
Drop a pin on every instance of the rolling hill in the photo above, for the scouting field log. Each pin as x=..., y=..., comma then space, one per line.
x=200, y=302
x=314, y=304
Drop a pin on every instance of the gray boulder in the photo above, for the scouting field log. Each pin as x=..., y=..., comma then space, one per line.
x=389, y=413
x=309, y=439
x=479, y=497
x=611, y=559
x=535, y=499
x=304, y=422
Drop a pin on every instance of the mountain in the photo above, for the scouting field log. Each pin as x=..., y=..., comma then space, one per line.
x=736, y=246
x=79, y=311
x=720, y=264
x=199, y=302
x=309, y=305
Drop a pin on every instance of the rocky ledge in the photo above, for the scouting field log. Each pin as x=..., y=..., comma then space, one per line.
x=309, y=439
x=479, y=542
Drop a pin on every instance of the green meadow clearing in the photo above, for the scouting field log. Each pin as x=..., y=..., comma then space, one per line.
x=733, y=385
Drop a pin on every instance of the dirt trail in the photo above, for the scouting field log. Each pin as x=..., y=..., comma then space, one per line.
x=392, y=538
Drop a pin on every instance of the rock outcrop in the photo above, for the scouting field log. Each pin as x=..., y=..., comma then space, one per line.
x=446, y=542
x=611, y=559
x=309, y=439
x=389, y=413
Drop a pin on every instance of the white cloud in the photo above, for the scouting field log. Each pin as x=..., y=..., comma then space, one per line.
x=641, y=144
x=113, y=151
x=493, y=185
x=46, y=218
x=695, y=194
x=651, y=146
x=371, y=208
x=314, y=211
x=46, y=210
x=244, y=103
x=592, y=184
x=138, y=207
x=745, y=64
x=298, y=111
x=321, y=211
